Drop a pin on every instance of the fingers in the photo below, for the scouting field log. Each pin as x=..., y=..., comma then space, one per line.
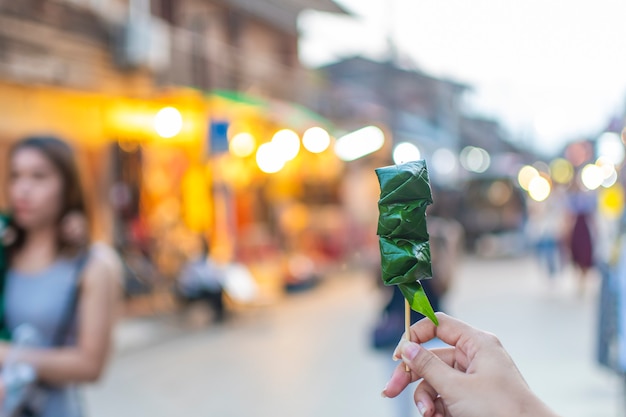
x=450, y=330
x=398, y=382
x=425, y=364
x=440, y=408
x=425, y=396
x=401, y=378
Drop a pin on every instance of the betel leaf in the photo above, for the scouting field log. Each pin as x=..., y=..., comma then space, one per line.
x=406, y=219
x=404, y=261
x=418, y=300
x=405, y=251
x=405, y=182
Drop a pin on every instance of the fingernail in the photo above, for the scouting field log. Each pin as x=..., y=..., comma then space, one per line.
x=382, y=394
x=421, y=407
x=395, y=355
x=409, y=351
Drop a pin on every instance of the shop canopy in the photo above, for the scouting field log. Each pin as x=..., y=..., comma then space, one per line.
x=288, y=114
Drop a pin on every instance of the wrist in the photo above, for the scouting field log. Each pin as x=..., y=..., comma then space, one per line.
x=532, y=406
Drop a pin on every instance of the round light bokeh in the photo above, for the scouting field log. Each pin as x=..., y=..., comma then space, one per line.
x=287, y=144
x=444, y=161
x=242, y=145
x=562, y=171
x=539, y=188
x=316, y=140
x=268, y=159
x=475, y=159
x=406, y=152
x=592, y=176
x=168, y=122
x=526, y=175
x=610, y=146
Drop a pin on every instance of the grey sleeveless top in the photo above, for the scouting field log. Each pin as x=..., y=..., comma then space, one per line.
x=42, y=300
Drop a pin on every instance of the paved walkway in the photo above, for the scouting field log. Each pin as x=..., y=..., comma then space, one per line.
x=309, y=356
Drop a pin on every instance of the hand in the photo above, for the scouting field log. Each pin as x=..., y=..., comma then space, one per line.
x=475, y=377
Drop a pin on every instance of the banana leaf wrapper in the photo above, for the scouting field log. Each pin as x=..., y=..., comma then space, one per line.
x=407, y=220
x=404, y=183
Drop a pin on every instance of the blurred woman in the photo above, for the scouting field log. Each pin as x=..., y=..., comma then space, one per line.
x=57, y=283
x=582, y=207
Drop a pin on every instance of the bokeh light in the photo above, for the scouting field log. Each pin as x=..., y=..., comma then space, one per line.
x=610, y=146
x=499, y=193
x=359, y=143
x=287, y=144
x=316, y=140
x=242, y=145
x=168, y=122
x=592, y=176
x=609, y=173
x=526, y=175
x=611, y=201
x=268, y=159
x=444, y=161
x=406, y=152
x=562, y=171
x=610, y=180
x=475, y=159
x=539, y=188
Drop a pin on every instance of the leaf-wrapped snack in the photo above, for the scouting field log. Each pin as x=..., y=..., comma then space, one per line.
x=406, y=219
x=404, y=261
x=405, y=182
x=405, y=251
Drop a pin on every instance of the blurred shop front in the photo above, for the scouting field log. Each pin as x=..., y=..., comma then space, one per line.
x=276, y=191
x=142, y=164
x=246, y=174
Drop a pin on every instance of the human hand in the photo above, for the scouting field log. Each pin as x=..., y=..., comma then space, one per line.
x=475, y=377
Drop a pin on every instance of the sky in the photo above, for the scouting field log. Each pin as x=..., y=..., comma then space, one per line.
x=549, y=70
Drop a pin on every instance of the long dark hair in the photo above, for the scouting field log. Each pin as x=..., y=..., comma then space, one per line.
x=72, y=199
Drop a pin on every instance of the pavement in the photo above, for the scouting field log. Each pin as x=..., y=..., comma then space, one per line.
x=309, y=354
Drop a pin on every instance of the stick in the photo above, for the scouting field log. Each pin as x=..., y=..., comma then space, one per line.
x=407, y=326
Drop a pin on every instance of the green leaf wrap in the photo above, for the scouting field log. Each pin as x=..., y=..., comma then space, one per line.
x=405, y=182
x=404, y=261
x=405, y=251
x=418, y=300
x=403, y=220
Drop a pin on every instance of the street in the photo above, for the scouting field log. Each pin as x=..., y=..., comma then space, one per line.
x=309, y=355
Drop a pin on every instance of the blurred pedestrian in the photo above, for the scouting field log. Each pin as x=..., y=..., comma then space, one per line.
x=64, y=288
x=546, y=230
x=582, y=206
x=202, y=279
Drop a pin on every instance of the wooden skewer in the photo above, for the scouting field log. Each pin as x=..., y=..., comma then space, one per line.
x=407, y=326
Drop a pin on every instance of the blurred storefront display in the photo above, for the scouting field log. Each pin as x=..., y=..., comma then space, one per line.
x=167, y=168
x=276, y=191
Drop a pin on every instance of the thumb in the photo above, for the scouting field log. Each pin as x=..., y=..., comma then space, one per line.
x=425, y=364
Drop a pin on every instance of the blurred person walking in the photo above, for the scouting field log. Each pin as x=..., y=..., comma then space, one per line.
x=57, y=283
x=546, y=230
x=582, y=207
x=202, y=279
